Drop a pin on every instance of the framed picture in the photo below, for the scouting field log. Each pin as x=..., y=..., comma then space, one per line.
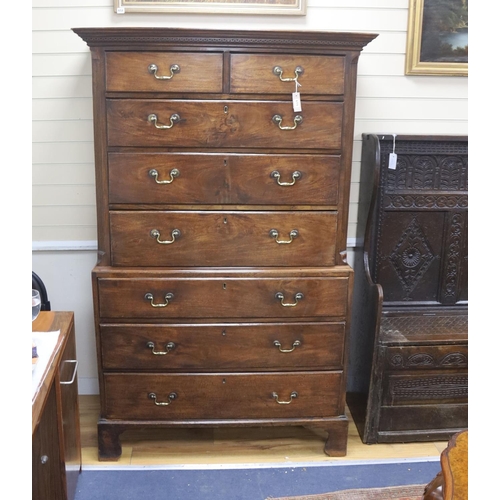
x=437, y=42
x=281, y=7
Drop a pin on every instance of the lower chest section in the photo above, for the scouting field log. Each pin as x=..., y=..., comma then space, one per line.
x=182, y=344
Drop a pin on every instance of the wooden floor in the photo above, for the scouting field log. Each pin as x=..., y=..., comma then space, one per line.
x=230, y=446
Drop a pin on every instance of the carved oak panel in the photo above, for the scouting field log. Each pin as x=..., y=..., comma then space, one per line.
x=421, y=234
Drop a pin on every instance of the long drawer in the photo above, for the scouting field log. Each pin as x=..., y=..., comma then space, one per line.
x=187, y=178
x=195, y=297
x=236, y=124
x=181, y=238
x=222, y=395
x=221, y=347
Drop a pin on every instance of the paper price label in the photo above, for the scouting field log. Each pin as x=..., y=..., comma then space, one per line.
x=393, y=159
x=296, y=101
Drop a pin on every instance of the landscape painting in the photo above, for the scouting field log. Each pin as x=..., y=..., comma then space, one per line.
x=437, y=42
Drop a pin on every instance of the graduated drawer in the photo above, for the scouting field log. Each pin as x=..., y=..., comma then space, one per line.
x=222, y=395
x=184, y=72
x=426, y=357
x=227, y=297
x=210, y=178
x=209, y=124
x=261, y=73
x=222, y=238
x=220, y=347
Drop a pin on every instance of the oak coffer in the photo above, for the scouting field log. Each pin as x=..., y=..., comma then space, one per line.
x=410, y=310
x=222, y=294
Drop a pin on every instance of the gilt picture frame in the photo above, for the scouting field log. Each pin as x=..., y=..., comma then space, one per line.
x=437, y=38
x=264, y=7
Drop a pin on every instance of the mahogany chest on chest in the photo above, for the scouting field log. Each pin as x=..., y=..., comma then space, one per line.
x=222, y=293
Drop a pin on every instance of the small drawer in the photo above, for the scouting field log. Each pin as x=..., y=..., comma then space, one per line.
x=163, y=72
x=426, y=357
x=222, y=396
x=221, y=347
x=201, y=178
x=198, y=297
x=236, y=124
x=221, y=238
x=261, y=73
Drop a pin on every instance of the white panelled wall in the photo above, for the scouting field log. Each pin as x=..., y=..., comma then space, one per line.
x=63, y=189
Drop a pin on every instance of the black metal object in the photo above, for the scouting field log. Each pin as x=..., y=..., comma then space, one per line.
x=37, y=284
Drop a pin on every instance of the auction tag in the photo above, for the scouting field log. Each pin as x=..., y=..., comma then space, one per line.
x=296, y=101
x=393, y=159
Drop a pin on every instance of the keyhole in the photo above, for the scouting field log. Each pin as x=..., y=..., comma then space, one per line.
x=223, y=380
x=223, y=286
x=225, y=220
x=226, y=109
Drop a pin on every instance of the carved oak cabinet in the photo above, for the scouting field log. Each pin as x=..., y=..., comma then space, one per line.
x=410, y=319
x=222, y=295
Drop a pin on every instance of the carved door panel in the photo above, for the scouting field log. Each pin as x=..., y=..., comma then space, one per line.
x=410, y=256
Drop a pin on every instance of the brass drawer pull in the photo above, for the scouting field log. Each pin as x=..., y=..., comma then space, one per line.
x=173, y=174
x=277, y=343
x=298, y=296
x=156, y=234
x=175, y=118
x=278, y=119
x=171, y=398
x=278, y=70
x=169, y=347
x=273, y=233
x=174, y=68
x=295, y=176
x=293, y=395
x=169, y=296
